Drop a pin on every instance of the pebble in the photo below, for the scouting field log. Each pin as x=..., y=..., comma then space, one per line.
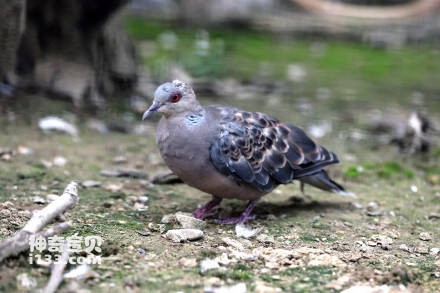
x=182, y=235
x=90, y=183
x=208, y=264
x=22, y=150
x=119, y=159
x=434, y=251
x=39, y=200
x=383, y=241
x=59, y=161
x=52, y=123
x=143, y=199
x=189, y=222
x=404, y=247
x=433, y=216
x=188, y=262
x=425, y=236
x=80, y=272
x=157, y=227
x=326, y=260
x=168, y=219
x=25, y=282
x=233, y=243
x=246, y=232
x=113, y=187
x=422, y=249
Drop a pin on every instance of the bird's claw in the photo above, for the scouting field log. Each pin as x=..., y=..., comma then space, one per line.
x=202, y=213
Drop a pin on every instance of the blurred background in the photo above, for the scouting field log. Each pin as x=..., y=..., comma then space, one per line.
x=321, y=63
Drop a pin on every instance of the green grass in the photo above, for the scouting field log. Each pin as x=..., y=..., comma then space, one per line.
x=242, y=54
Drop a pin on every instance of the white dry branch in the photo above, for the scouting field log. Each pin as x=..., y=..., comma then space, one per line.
x=57, y=272
x=20, y=241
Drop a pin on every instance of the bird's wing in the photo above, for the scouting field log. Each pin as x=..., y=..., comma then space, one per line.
x=263, y=152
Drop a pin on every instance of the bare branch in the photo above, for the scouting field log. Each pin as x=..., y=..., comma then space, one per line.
x=57, y=273
x=20, y=241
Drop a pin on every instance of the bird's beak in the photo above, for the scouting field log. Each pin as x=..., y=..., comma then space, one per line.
x=153, y=108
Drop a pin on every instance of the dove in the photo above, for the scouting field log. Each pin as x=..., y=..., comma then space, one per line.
x=234, y=154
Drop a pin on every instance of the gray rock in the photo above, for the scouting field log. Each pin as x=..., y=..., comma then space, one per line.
x=182, y=235
x=189, y=222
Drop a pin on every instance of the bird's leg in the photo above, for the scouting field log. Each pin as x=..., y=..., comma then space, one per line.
x=245, y=215
x=205, y=210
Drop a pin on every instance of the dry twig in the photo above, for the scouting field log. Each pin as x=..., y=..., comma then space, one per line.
x=20, y=241
x=57, y=272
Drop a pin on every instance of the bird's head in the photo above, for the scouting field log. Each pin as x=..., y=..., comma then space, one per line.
x=172, y=98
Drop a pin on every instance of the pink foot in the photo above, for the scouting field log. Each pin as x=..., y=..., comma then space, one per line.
x=206, y=210
x=245, y=216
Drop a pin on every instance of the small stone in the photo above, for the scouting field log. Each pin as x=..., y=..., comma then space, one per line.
x=51, y=197
x=25, y=282
x=143, y=199
x=113, y=187
x=433, y=216
x=182, y=235
x=404, y=247
x=139, y=206
x=422, y=249
x=59, y=161
x=373, y=209
x=188, y=262
x=143, y=233
x=169, y=219
x=22, y=150
x=223, y=259
x=265, y=238
x=157, y=227
x=434, y=251
x=246, y=232
x=326, y=260
x=208, y=264
x=107, y=204
x=90, y=183
x=414, y=188
x=383, y=241
x=425, y=236
x=39, y=200
x=119, y=159
x=189, y=222
x=233, y=243
x=82, y=271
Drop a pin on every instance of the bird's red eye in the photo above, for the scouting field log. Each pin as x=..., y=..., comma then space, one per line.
x=175, y=98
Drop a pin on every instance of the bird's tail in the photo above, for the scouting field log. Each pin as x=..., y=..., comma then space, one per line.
x=322, y=181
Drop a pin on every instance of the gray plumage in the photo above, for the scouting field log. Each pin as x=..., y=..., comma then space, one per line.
x=231, y=153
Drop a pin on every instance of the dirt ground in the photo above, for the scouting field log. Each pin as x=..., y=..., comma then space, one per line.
x=311, y=242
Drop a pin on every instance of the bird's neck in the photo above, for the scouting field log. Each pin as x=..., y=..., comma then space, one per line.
x=194, y=107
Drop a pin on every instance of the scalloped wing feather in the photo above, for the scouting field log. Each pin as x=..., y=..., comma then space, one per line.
x=261, y=151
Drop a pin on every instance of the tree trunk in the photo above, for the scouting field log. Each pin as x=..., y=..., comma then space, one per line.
x=69, y=48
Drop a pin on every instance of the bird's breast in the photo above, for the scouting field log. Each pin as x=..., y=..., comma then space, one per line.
x=183, y=143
